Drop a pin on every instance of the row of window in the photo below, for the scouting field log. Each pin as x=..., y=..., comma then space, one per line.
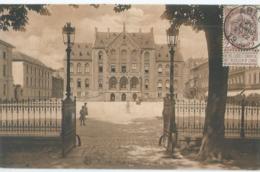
x=36, y=71
x=37, y=83
x=124, y=55
x=123, y=68
x=80, y=68
x=253, y=78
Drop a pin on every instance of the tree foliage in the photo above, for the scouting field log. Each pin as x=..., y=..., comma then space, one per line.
x=16, y=16
x=200, y=17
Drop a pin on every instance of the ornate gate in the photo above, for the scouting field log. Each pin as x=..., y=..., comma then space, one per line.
x=68, y=125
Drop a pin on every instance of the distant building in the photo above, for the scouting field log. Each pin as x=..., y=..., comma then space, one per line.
x=6, y=78
x=122, y=66
x=57, y=85
x=32, y=78
x=245, y=80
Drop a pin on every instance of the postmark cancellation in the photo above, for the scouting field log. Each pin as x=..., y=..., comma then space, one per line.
x=241, y=36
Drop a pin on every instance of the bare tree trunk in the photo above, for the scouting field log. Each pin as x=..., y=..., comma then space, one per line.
x=213, y=134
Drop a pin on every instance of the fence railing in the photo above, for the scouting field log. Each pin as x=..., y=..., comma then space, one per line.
x=241, y=119
x=30, y=118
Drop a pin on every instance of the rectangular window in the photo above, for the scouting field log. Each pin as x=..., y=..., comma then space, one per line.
x=134, y=66
x=123, y=68
x=4, y=55
x=4, y=70
x=79, y=83
x=112, y=68
x=146, y=68
x=100, y=68
x=71, y=67
x=100, y=84
x=4, y=91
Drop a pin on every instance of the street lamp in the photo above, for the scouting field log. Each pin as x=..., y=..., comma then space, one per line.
x=172, y=38
x=68, y=33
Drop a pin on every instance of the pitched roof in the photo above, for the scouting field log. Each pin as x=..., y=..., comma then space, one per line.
x=162, y=53
x=81, y=51
x=18, y=56
x=6, y=44
x=143, y=40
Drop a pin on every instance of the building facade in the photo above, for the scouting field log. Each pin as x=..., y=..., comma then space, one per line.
x=32, y=79
x=6, y=78
x=122, y=66
x=241, y=80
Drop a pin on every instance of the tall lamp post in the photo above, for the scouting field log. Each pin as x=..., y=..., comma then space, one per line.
x=68, y=33
x=172, y=39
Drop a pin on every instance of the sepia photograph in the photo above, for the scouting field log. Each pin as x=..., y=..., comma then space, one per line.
x=129, y=86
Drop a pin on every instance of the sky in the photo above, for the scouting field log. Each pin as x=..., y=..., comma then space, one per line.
x=43, y=37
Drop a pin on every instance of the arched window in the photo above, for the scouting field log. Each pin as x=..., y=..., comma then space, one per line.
x=167, y=69
x=123, y=97
x=100, y=56
x=123, y=83
x=79, y=83
x=146, y=68
x=86, y=83
x=79, y=68
x=160, y=69
x=146, y=83
x=159, y=84
x=100, y=83
x=146, y=57
x=134, y=82
x=167, y=85
x=112, y=83
x=86, y=68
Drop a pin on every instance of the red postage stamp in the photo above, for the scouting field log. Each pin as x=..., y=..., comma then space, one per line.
x=241, y=36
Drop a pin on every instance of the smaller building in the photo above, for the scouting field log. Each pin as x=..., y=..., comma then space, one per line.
x=197, y=85
x=32, y=78
x=6, y=77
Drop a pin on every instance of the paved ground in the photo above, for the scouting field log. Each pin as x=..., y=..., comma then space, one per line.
x=105, y=144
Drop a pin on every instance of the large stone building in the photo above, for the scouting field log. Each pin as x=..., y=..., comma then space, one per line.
x=6, y=78
x=32, y=79
x=123, y=66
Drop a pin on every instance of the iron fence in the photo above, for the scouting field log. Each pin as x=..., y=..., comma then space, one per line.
x=241, y=119
x=31, y=117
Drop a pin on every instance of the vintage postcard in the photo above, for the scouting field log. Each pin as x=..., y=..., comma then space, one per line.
x=103, y=86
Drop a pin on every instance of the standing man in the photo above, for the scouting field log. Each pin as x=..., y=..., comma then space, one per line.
x=85, y=110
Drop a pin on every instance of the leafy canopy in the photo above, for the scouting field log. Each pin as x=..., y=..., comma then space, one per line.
x=198, y=16
x=16, y=16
